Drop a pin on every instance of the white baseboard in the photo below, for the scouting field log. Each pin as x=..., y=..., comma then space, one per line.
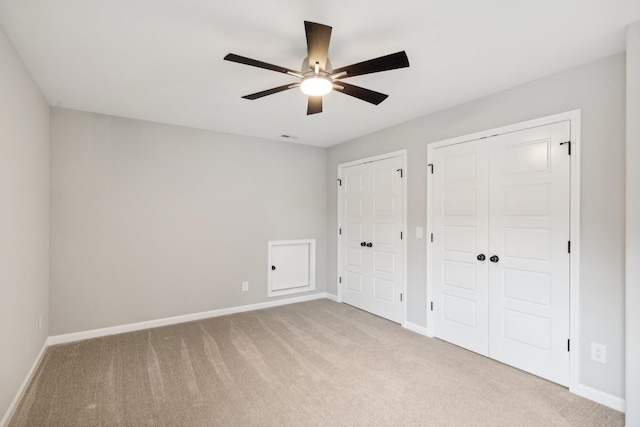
x=95, y=333
x=602, y=398
x=422, y=330
x=23, y=387
x=332, y=297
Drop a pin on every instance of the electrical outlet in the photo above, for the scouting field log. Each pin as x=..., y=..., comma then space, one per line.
x=245, y=286
x=598, y=352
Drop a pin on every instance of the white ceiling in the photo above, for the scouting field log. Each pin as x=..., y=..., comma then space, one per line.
x=161, y=60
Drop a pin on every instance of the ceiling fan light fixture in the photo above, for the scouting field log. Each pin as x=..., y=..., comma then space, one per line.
x=317, y=76
x=316, y=85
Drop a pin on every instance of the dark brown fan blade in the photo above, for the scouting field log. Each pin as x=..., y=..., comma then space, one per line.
x=359, y=92
x=255, y=63
x=383, y=63
x=318, y=38
x=315, y=105
x=271, y=91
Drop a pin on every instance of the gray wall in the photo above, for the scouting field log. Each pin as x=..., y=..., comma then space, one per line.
x=633, y=227
x=24, y=222
x=151, y=221
x=598, y=89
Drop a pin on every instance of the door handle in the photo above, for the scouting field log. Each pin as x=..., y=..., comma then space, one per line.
x=363, y=243
x=481, y=257
x=369, y=245
x=494, y=258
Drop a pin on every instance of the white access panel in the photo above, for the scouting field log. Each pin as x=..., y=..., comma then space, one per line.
x=292, y=267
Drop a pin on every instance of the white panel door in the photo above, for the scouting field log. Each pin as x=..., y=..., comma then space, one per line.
x=385, y=228
x=529, y=235
x=500, y=253
x=460, y=208
x=356, y=206
x=372, y=250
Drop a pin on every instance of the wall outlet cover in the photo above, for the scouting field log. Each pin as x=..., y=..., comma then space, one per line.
x=598, y=352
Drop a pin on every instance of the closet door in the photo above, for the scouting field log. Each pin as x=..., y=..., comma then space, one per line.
x=460, y=257
x=356, y=206
x=529, y=233
x=500, y=260
x=372, y=250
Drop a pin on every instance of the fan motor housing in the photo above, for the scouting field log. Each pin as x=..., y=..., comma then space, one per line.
x=306, y=67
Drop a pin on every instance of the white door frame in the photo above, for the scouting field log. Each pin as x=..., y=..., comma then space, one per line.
x=574, y=257
x=341, y=166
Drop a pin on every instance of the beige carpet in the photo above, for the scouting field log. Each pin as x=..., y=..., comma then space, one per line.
x=310, y=364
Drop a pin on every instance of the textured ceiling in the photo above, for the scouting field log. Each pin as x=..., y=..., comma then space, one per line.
x=161, y=60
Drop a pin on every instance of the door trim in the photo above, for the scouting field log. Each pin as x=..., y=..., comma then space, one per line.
x=574, y=118
x=341, y=166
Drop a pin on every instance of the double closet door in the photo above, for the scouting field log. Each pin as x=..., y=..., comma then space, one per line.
x=501, y=248
x=371, y=247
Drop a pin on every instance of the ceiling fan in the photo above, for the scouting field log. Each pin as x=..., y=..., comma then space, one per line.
x=317, y=78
